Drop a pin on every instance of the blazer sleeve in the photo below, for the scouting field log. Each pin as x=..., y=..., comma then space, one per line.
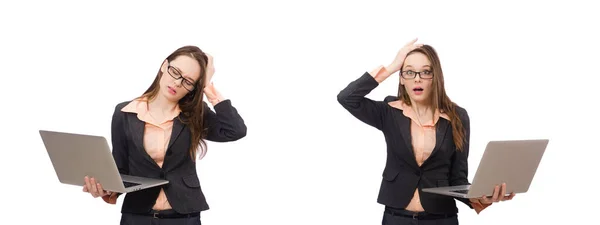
x=119, y=148
x=225, y=123
x=119, y=141
x=353, y=99
x=460, y=168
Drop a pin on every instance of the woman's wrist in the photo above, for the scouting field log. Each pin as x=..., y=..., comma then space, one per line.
x=215, y=101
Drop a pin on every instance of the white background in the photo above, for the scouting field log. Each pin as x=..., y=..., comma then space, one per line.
x=522, y=70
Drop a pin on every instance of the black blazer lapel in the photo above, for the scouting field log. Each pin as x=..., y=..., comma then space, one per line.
x=405, y=124
x=136, y=128
x=176, y=131
x=440, y=133
x=177, y=128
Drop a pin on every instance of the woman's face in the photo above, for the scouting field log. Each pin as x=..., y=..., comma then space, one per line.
x=179, y=77
x=417, y=77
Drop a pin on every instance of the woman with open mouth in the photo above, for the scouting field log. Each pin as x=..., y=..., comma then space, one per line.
x=427, y=137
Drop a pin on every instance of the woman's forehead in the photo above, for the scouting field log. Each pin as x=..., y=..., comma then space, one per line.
x=187, y=65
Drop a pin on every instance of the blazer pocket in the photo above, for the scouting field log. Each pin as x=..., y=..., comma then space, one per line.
x=390, y=175
x=191, y=181
x=442, y=183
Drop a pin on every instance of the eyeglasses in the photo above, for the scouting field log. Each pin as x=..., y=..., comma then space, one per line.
x=175, y=73
x=425, y=74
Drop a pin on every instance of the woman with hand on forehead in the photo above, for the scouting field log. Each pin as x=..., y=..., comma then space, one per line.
x=427, y=137
x=161, y=134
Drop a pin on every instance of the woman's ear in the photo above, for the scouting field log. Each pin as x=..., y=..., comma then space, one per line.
x=163, y=67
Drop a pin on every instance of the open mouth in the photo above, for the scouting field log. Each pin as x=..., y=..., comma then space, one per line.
x=418, y=90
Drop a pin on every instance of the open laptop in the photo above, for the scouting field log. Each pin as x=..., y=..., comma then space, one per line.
x=513, y=162
x=75, y=156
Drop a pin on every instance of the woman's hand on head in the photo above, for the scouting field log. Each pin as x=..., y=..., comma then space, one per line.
x=210, y=69
x=212, y=94
x=396, y=65
x=94, y=188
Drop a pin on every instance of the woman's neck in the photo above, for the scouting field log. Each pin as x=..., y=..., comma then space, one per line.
x=161, y=105
x=423, y=110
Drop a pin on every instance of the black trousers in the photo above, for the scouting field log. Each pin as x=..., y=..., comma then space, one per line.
x=167, y=217
x=393, y=216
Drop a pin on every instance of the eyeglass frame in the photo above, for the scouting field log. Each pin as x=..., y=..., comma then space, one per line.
x=402, y=74
x=177, y=77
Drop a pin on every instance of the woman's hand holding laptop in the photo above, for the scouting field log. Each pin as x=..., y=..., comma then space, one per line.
x=94, y=188
x=498, y=196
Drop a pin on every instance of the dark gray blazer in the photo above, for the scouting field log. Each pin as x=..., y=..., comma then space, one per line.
x=183, y=191
x=445, y=166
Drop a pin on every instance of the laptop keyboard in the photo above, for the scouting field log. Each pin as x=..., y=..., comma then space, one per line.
x=129, y=184
x=461, y=191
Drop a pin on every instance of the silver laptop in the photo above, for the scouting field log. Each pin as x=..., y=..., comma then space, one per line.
x=75, y=156
x=513, y=162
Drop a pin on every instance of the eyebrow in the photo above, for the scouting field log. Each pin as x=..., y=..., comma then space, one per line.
x=189, y=78
x=410, y=66
x=185, y=76
x=177, y=69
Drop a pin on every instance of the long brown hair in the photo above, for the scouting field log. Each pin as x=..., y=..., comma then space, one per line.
x=439, y=99
x=191, y=105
